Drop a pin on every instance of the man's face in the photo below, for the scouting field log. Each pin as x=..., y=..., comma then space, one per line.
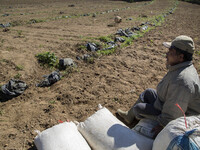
x=173, y=58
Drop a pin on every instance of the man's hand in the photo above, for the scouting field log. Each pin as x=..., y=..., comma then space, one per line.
x=157, y=130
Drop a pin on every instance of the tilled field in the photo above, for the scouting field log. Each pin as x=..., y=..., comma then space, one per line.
x=115, y=80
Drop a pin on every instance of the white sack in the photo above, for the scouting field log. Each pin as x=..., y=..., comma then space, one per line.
x=64, y=136
x=104, y=131
x=175, y=128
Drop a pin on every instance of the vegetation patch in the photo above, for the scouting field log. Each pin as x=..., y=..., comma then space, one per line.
x=19, y=34
x=69, y=70
x=16, y=23
x=129, y=40
x=19, y=67
x=2, y=40
x=106, y=52
x=105, y=39
x=17, y=76
x=52, y=102
x=90, y=60
x=31, y=21
x=197, y=52
x=1, y=112
x=82, y=47
x=47, y=59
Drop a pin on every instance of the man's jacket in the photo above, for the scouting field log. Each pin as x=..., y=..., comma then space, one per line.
x=180, y=85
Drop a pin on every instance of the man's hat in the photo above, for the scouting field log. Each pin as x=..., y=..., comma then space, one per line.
x=182, y=42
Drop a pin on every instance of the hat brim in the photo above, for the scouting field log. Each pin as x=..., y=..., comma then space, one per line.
x=167, y=44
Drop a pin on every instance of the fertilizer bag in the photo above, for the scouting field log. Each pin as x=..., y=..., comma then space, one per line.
x=176, y=136
x=64, y=136
x=104, y=131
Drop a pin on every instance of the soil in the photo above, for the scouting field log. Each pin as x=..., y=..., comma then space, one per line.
x=114, y=81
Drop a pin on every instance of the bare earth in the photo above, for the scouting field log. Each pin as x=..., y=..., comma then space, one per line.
x=115, y=81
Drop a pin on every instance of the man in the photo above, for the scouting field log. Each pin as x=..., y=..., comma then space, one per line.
x=181, y=85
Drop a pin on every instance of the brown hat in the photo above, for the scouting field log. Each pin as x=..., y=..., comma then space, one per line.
x=182, y=42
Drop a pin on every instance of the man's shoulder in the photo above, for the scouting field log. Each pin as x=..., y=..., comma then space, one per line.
x=188, y=73
x=187, y=77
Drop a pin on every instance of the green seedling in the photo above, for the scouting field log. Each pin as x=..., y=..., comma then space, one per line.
x=48, y=59
x=105, y=39
x=19, y=67
x=160, y=32
x=19, y=32
x=196, y=39
x=82, y=47
x=17, y=76
x=106, y=52
x=52, y=102
x=2, y=40
x=152, y=42
x=69, y=70
x=16, y=23
x=1, y=112
x=31, y=21
x=90, y=60
x=128, y=41
x=197, y=52
x=5, y=60
x=81, y=36
x=41, y=46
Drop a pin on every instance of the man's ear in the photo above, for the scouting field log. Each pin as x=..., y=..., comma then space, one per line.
x=181, y=57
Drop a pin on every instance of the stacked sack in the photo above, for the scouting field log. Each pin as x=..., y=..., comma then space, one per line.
x=64, y=136
x=176, y=136
x=102, y=131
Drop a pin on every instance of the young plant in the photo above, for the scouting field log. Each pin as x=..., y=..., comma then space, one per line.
x=19, y=67
x=47, y=58
x=2, y=40
x=19, y=32
x=1, y=112
x=31, y=21
x=90, y=60
x=82, y=47
x=17, y=76
x=52, y=102
x=106, y=52
x=105, y=39
x=69, y=70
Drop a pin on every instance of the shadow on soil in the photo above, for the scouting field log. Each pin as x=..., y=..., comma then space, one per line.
x=131, y=0
x=192, y=1
x=33, y=148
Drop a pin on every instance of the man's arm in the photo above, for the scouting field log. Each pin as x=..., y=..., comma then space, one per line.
x=176, y=94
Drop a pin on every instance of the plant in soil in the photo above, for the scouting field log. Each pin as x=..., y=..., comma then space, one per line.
x=47, y=59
